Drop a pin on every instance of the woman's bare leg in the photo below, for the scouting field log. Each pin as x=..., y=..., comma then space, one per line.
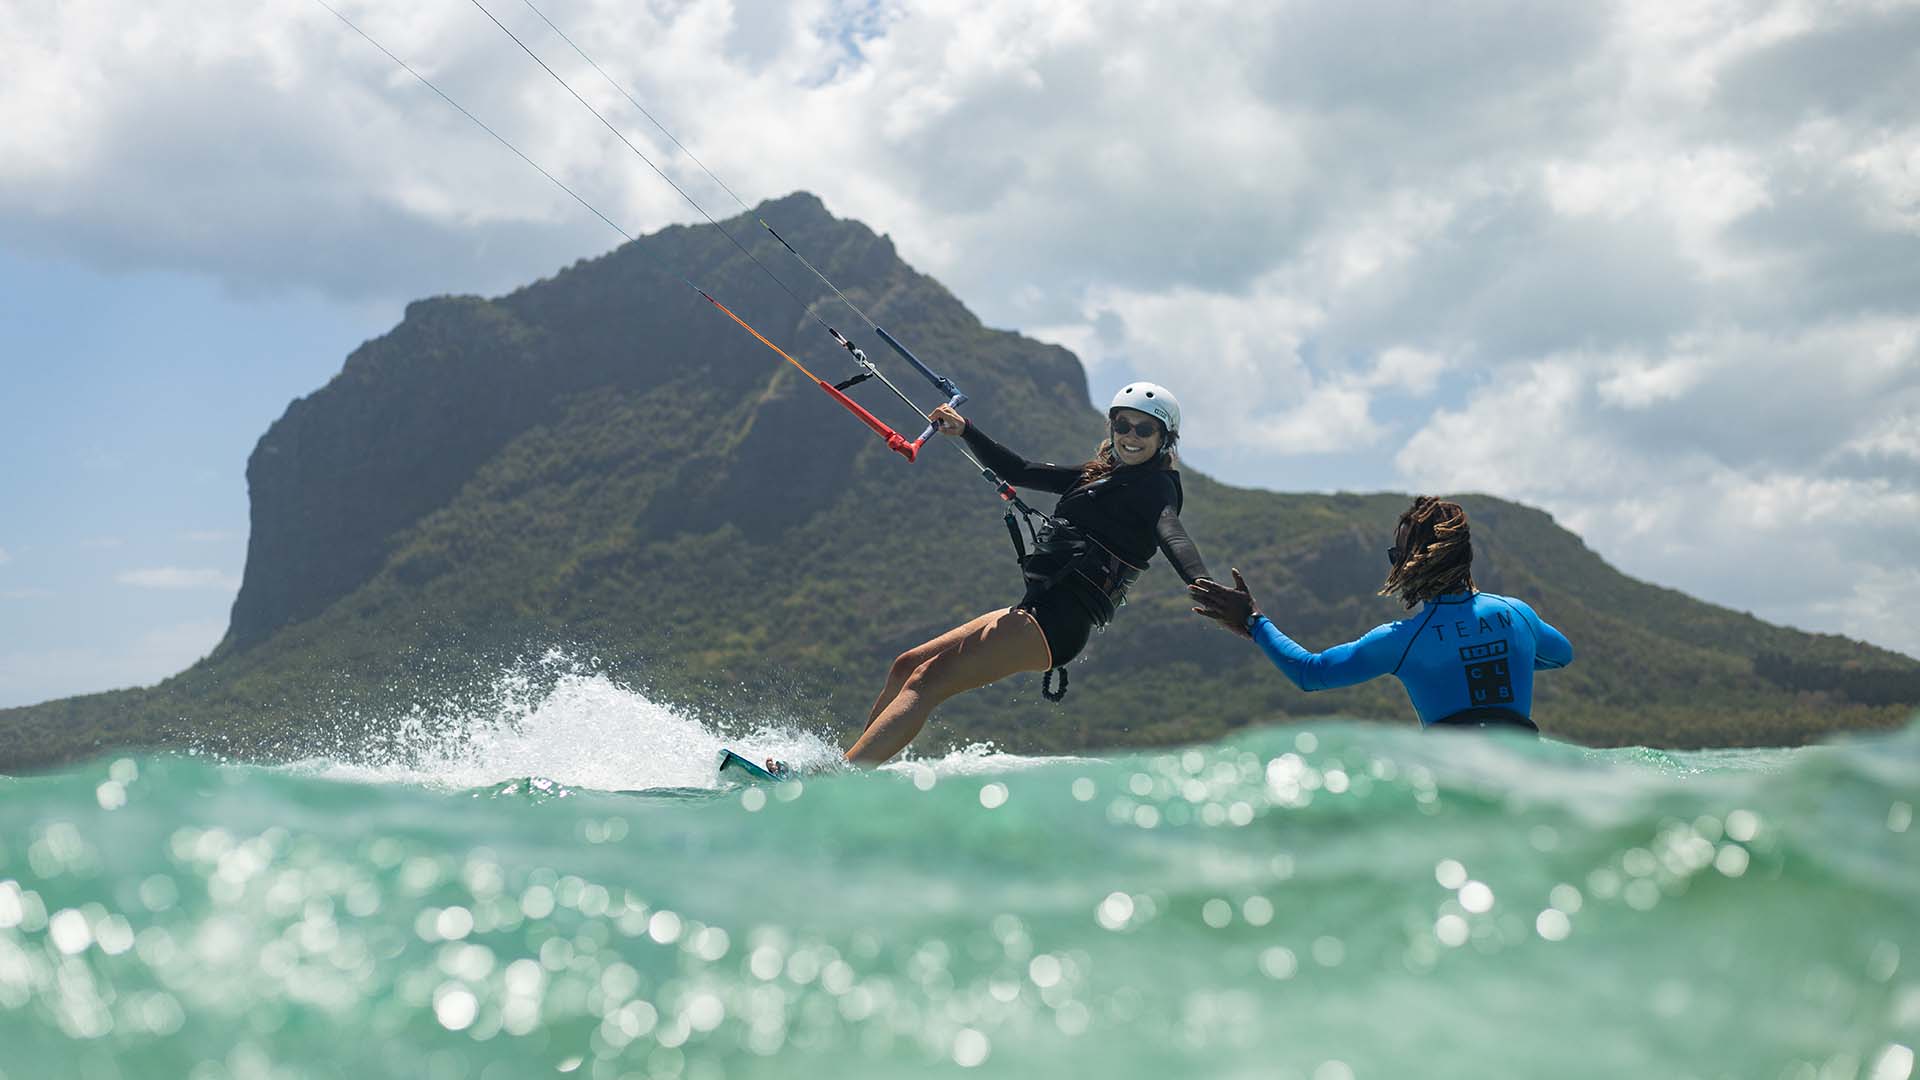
x=995, y=646
x=906, y=662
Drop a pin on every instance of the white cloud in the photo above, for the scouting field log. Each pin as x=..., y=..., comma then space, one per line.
x=176, y=577
x=1896, y=435
x=1407, y=370
x=1891, y=171
x=1678, y=50
x=1684, y=489
x=1695, y=193
x=1337, y=413
x=4, y=557
x=1334, y=415
x=1490, y=445
x=1638, y=382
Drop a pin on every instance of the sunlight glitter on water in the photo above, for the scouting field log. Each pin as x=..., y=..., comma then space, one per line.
x=481, y=908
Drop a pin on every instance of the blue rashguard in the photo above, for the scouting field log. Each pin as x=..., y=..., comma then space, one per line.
x=1463, y=651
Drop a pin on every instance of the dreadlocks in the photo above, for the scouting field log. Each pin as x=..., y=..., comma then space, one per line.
x=1436, y=553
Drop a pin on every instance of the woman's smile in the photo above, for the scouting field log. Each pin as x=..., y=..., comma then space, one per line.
x=1129, y=444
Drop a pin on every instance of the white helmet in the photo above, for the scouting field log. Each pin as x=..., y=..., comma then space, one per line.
x=1151, y=398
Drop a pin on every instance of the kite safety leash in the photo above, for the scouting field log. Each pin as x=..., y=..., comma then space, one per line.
x=895, y=441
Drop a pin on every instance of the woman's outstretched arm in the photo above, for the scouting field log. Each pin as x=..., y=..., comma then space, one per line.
x=1179, y=548
x=1009, y=466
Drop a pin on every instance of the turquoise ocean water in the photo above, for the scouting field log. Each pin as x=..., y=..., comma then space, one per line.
x=561, y=889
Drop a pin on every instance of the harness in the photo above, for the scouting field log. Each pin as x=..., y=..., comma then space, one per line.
x=1080, y=555
x=1070, y=552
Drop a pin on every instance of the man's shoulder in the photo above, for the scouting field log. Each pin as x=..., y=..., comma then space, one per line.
x=1500, y=599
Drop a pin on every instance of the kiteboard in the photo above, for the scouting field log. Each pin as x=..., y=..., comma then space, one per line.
x=736, y=768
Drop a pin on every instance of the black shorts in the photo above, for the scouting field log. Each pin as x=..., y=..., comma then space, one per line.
x=1063, y=619
x=1485, y=717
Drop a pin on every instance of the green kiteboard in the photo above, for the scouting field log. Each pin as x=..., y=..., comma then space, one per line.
x=740, y=770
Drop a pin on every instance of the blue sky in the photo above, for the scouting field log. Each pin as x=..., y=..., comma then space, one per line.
x=1653, y=265
x=132, y=402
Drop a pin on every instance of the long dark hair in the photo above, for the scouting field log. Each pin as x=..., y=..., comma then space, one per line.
x=1103, y=463
x=1436, y=552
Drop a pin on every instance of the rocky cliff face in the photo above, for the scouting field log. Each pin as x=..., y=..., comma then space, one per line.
x=390, y=439
x=414, y=414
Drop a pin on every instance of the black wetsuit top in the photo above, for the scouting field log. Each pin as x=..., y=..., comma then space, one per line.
x=1130, y=512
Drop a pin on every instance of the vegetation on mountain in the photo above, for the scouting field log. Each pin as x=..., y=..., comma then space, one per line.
x=601, y=464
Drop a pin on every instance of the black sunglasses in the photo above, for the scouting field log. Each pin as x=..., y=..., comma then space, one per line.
x=1140, y=430
x=1397, y=553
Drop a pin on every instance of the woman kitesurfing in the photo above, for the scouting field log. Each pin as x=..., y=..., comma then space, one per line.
x=1114, y=511
x=1466, y=660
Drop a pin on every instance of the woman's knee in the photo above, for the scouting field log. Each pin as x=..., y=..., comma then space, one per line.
x=905, y=663
x=929, y=675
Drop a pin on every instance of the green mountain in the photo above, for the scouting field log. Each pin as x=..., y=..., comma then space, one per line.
x=602, y=463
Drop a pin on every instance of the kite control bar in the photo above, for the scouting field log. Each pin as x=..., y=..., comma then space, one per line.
x=945, y=385
x=895, y=441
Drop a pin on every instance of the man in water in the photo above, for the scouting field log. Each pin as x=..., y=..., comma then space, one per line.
x=1467, y=658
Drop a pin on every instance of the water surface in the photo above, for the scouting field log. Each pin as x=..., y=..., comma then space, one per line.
x=561, y=889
